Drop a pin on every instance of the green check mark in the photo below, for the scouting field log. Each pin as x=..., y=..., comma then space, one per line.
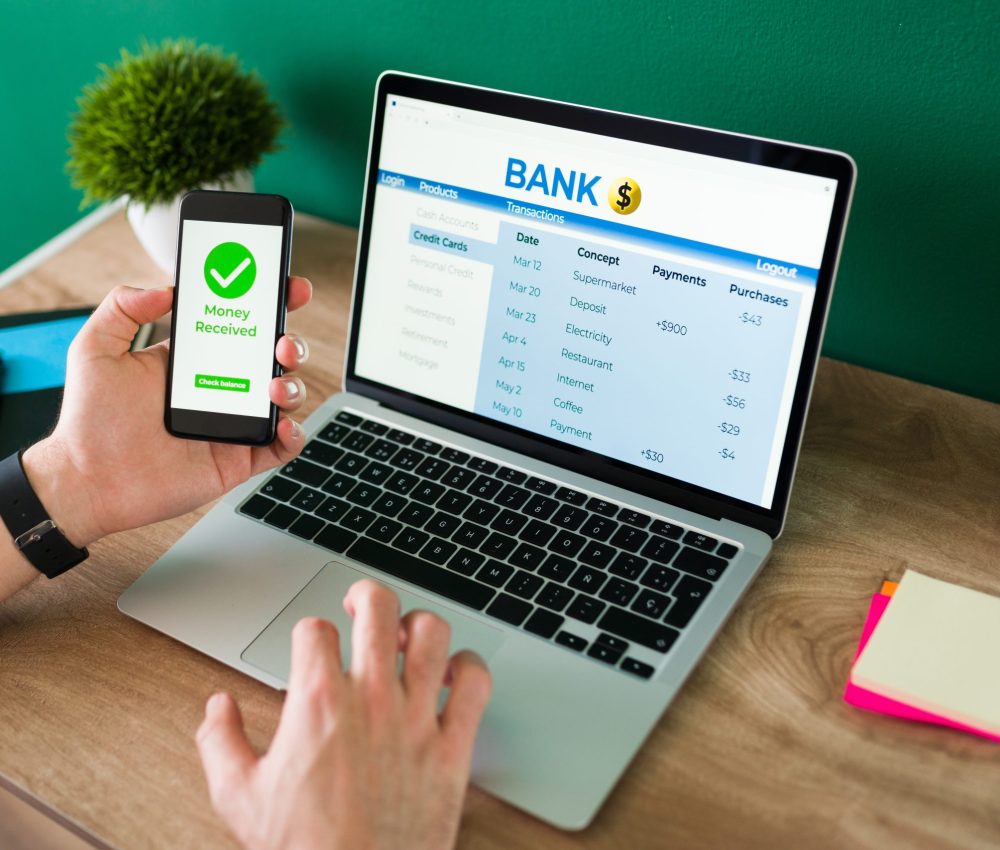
x=230, y=270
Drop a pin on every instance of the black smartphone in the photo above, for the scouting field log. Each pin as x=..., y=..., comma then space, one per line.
x=230, y=290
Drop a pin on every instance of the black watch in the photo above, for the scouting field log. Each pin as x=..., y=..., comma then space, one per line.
x=36, y=536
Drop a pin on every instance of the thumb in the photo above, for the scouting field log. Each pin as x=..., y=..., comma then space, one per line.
x=113, y=326
x=226, y=755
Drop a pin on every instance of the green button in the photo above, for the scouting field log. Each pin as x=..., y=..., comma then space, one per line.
x=219, y=382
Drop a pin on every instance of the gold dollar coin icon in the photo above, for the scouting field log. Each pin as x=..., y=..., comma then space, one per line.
x=624, y=195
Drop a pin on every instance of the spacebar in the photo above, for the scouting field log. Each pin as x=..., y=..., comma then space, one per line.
x=425, y=575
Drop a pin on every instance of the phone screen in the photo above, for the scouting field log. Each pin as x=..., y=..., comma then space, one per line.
x=229, y=279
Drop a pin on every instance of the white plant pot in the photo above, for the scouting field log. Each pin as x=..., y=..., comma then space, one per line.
x=156, y=227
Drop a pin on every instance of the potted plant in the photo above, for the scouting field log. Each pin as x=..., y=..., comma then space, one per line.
x=174, y=117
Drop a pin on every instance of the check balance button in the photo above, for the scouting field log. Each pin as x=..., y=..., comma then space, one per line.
x=638, y=629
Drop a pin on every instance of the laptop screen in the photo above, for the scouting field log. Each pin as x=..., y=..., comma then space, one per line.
x=644, y=303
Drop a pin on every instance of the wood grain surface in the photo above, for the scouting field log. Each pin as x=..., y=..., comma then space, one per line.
x=97, y=712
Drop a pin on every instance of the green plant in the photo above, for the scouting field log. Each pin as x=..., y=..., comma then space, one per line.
x=170, y=118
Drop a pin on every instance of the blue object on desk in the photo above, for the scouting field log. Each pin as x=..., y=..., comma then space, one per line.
x=34, y=356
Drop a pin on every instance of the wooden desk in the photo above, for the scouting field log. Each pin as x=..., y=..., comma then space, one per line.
x=97, y=712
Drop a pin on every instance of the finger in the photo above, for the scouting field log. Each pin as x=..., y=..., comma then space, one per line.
x=288, y=393
x=316, y=665
x=375, y=633
x=426, y=658
x=471, y=684
x=286, y=447
x=113, y=326
x=226, y=755
x=300, y=292
x=292, y=351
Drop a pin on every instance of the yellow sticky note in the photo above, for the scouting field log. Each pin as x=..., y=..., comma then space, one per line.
x=935, y=648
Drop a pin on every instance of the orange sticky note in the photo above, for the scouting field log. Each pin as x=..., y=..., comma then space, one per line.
x=889, y=588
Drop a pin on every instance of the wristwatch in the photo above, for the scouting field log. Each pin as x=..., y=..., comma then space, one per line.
x=36, y=535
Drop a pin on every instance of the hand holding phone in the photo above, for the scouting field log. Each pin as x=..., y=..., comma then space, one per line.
x=233, y=253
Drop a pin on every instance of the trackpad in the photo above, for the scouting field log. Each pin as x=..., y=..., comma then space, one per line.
x=324, y=596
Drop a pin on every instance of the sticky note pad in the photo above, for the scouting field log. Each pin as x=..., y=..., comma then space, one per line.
x=934, y=648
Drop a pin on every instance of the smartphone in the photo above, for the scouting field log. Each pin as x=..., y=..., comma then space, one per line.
x=230, y=291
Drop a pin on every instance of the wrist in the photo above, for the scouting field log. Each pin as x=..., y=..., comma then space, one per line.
x=62, y=491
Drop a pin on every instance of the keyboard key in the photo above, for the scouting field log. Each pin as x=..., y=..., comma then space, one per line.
x=540, y=485
x=585, y=609
x=401, y=437
x=442, y=524
x=629, y=538
x=481, y=464
x=540, y=507
x=485, y=488
x=357, y=519
x=574, y=497
x=351, y=463
x=458, y=478
x=508, y=522
x=571, y=640
x=373, y=427
x=471, y=535
x=438, y=551
x=688, y=596
x=376, y=473
x=357, y=441
x=727, y=551
x=349, y=418
x=495, y=573
x=402, y=483
x=438, y=580
x=334, y=432
x=627, y=566
x=339, y=484
x=498, y=545
x=630, y=517
x=410, y=540
x=406, y=459
x=544, y=623
x=619, y=592
x=605, y=653
x=598, y=527
x=569, y=517
x=454, y=456
x=335, y=538
x=306, y=527
x=415, y=514
x=660, y=578
x=432, y=468
x=637, y=668
x=514, y=476
x=257, y=506
x=557, y=567
x=281, y=516
x=454, y=503
x=384, y=530
x=512, y=497
x=527, y=557
x=554, y=596
x=363, y=494
x=651, y=603
x=700, y=563
x=481, y=512
x=599, y=506
x=332, y=509
x=660, y=549
x=587, y=579
x=381, y=450
x=612, y=641
x=322, y=453
x=389, y=504
x=597, y=554
x=427, y=447
x=567, y=544
x=280, y=488
x=537, y=533
x=510, y=609
x=638, y=629
x=524, y=584
x=701, y=541
x=307, y=500
x=466, y=562
x=666, y=529
x=306, y=472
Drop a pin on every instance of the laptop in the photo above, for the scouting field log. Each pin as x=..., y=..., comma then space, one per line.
x=581, y=351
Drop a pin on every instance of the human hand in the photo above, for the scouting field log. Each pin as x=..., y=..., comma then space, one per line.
x=361, y=760
x=110, y=463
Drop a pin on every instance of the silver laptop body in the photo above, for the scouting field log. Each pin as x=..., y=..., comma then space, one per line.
x=581, y=352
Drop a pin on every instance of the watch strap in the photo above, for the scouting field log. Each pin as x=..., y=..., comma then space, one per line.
x=35, y=533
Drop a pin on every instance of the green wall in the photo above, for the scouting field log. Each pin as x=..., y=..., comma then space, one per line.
x=908, y=87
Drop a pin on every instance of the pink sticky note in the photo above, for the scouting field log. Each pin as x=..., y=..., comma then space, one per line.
x=871, y=701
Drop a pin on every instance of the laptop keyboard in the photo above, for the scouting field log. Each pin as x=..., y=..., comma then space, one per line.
x=521, y=549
